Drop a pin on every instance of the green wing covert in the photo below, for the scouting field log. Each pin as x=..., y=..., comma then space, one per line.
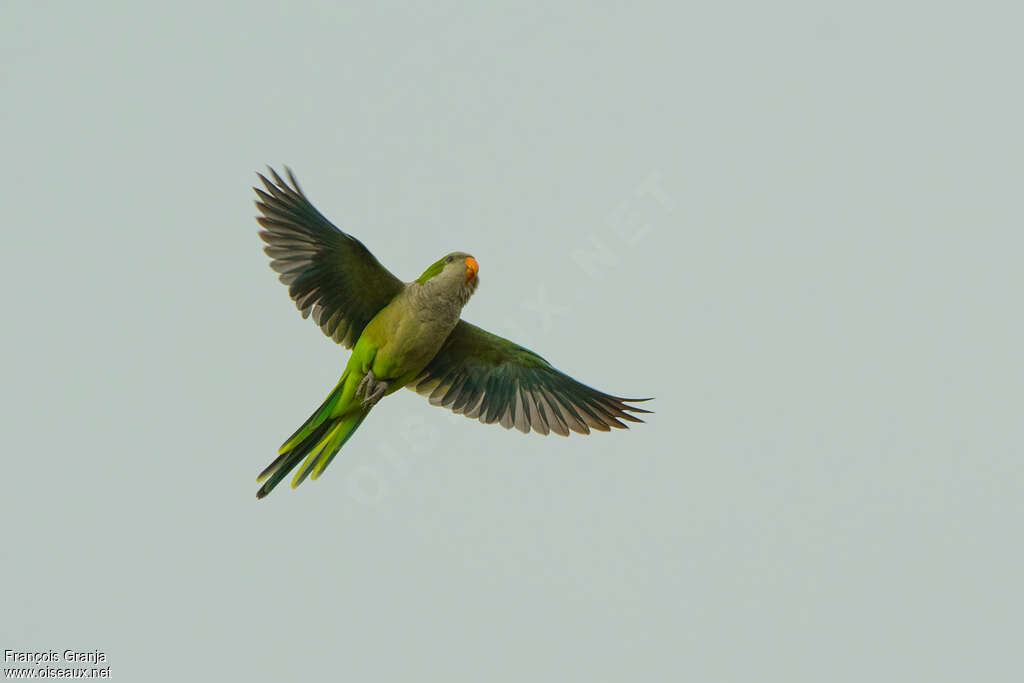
x=489, y=378
x=330, y=275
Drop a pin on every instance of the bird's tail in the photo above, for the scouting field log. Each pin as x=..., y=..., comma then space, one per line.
x=318, y=440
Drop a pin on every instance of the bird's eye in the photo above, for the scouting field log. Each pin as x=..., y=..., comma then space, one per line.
x=448, y=260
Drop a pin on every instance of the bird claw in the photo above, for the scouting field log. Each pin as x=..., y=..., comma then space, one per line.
x=368, y=377
x=371, y=389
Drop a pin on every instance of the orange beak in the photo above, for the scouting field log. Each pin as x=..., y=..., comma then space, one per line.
x=472, y=268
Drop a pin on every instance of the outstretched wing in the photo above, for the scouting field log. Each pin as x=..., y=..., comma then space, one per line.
x=329, y=274
x=487, y=377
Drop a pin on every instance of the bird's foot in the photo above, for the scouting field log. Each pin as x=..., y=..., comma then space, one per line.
x=372, y=389
x=368, y=378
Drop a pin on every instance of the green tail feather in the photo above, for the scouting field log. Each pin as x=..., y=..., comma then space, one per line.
x=318, y=440
x=286, y=462
x=320, y=457
x=315, y=420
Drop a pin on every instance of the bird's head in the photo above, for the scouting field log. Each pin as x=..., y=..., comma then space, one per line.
x=455, y=273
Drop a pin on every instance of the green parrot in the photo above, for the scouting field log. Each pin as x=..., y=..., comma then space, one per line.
x=406, y=334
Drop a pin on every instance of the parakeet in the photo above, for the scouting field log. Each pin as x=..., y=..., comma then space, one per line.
x=406, y=334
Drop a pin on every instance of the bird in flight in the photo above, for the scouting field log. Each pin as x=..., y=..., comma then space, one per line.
x=406, y=334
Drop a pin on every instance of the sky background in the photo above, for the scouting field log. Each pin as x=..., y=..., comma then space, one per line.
x=797, y=225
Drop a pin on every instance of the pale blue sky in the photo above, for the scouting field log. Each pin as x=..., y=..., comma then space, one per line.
x=796, y=225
